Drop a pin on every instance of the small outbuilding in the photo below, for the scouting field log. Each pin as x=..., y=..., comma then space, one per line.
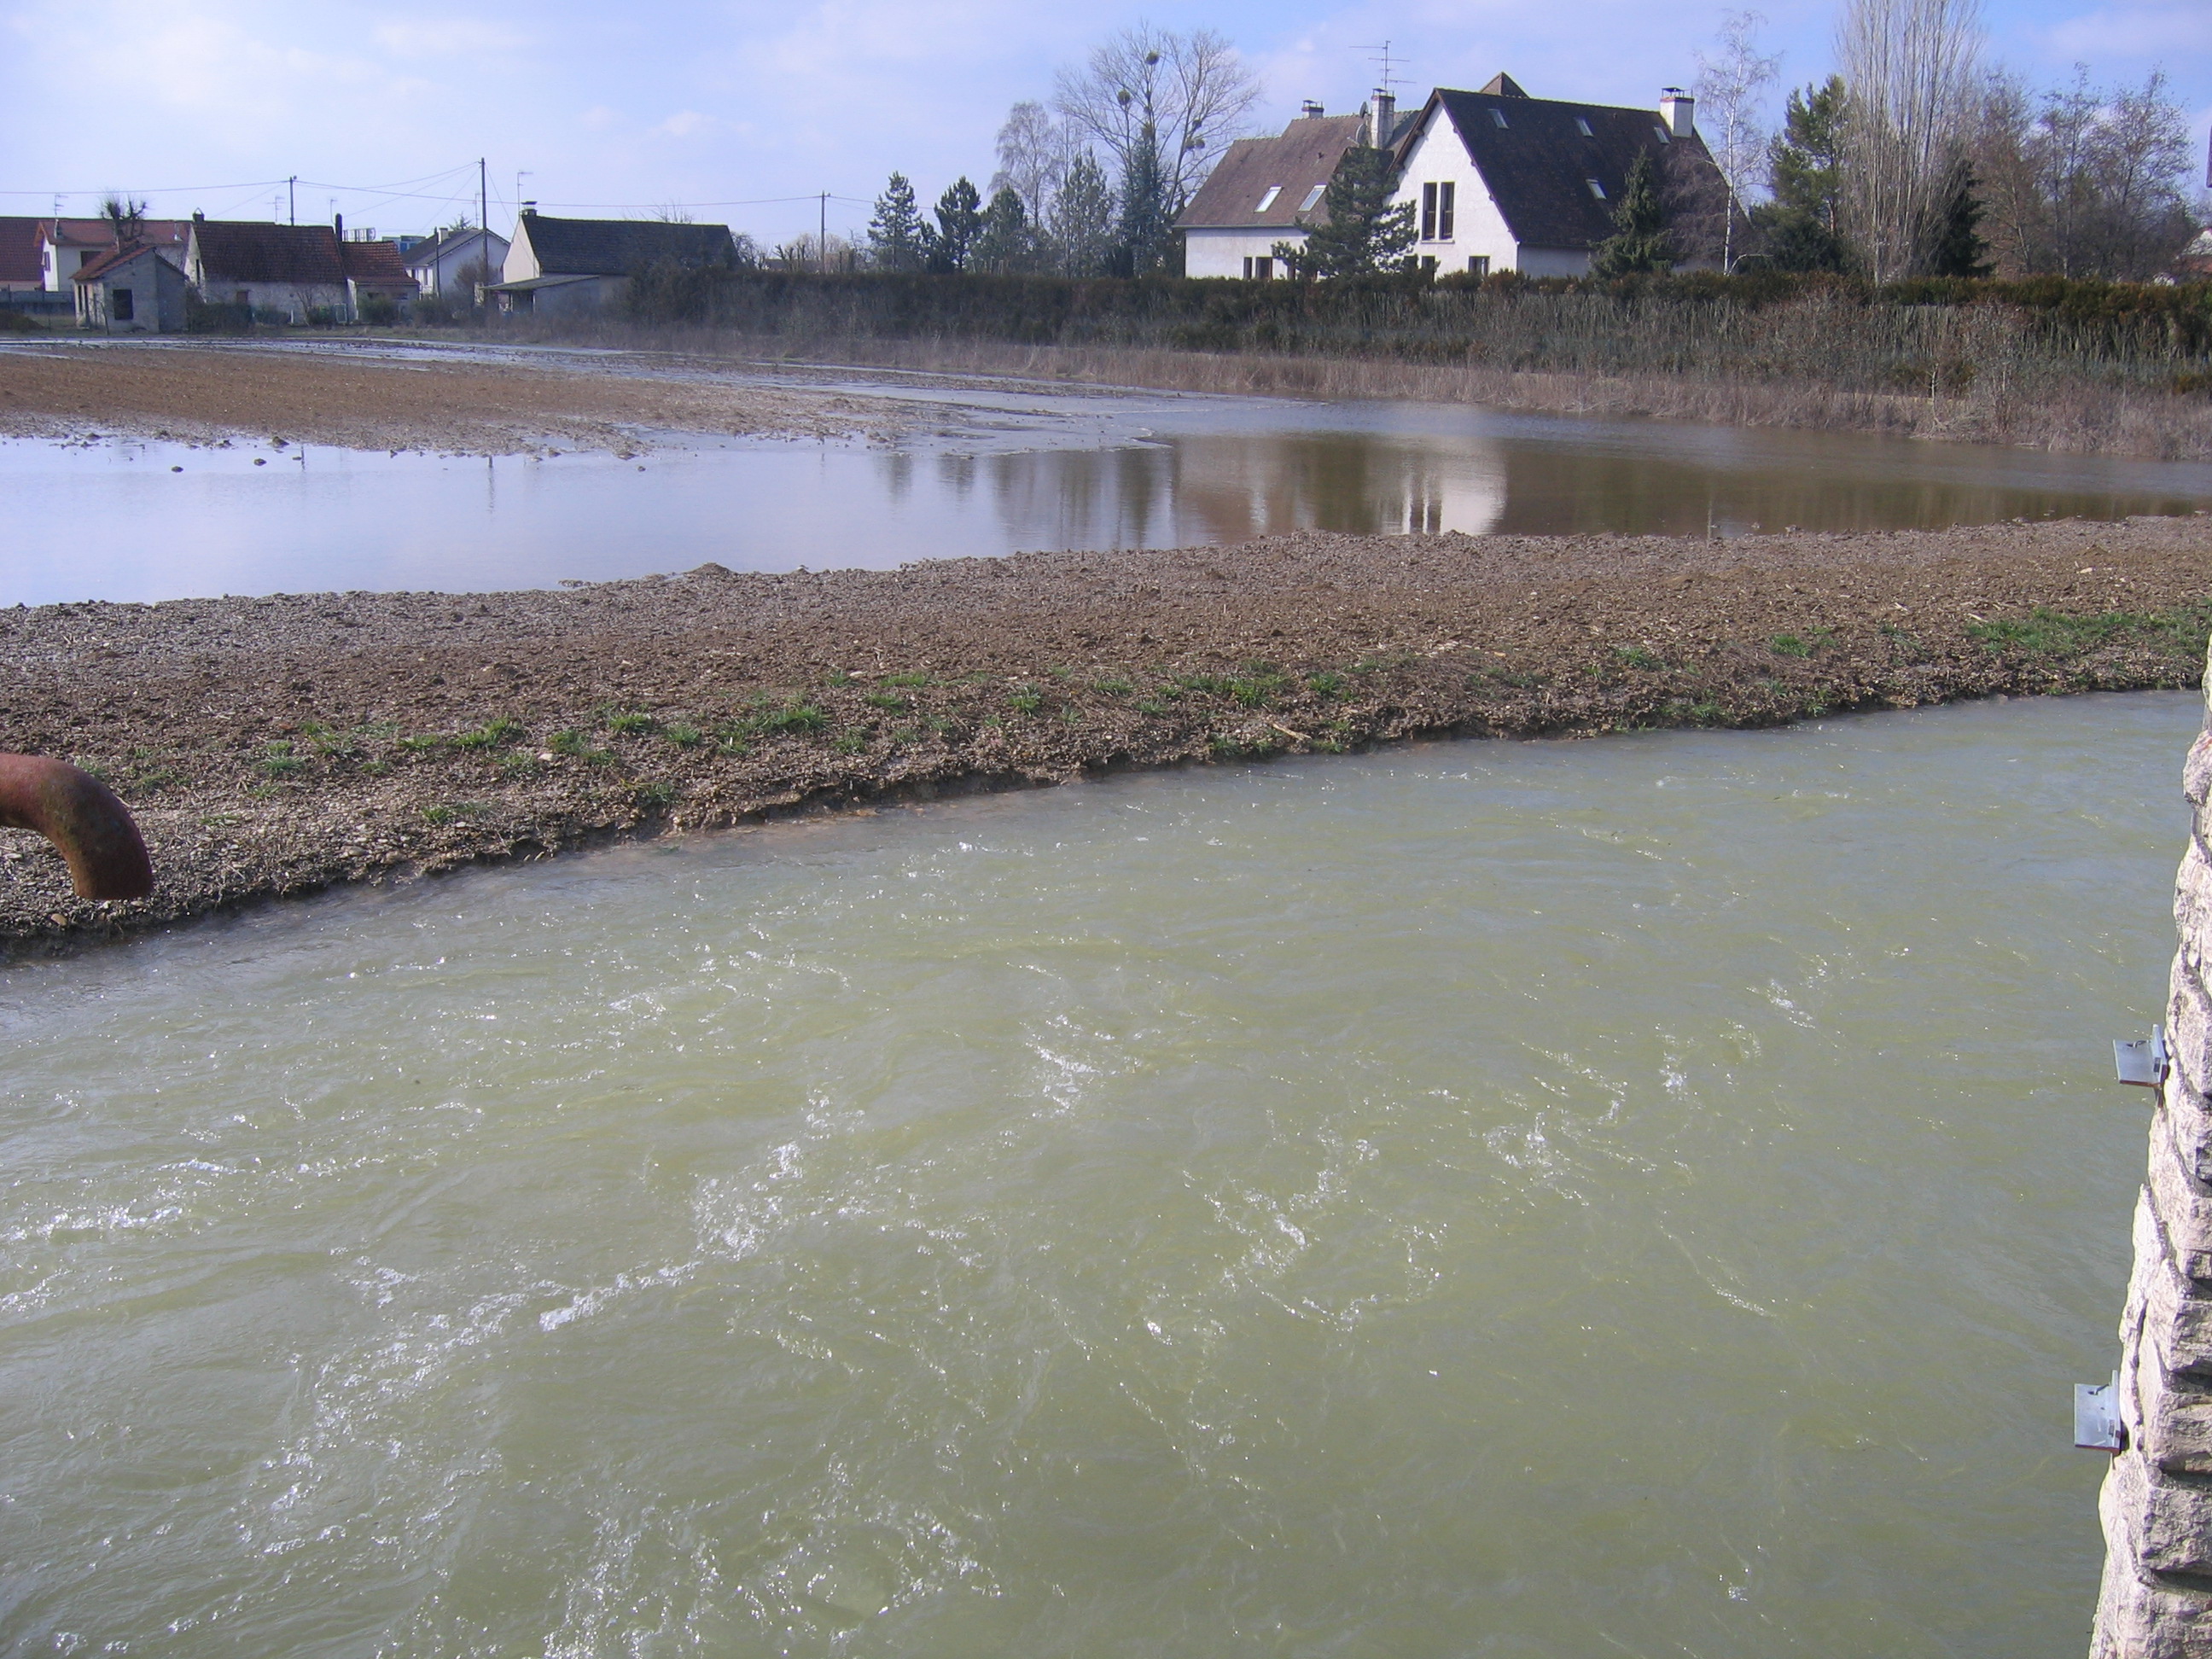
x=131, y=289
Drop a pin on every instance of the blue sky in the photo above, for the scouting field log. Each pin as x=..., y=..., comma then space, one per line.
x=623, y=109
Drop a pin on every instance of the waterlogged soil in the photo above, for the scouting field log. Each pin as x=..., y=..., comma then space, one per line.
x=278, y=746
x=213, y=394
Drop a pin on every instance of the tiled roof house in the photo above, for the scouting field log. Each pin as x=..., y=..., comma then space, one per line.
x=1502, y=181
x=572, y=264
x=67, y=244
x=300, y=270
x=1268, y=191
x=19, y=256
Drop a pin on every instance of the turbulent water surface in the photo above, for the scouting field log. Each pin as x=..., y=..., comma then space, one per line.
x=1643, y=1196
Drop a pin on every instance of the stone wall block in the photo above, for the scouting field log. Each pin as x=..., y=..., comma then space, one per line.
x=2171, y=1423
x=2196, y=772
x=2189, y=1026
x=2182, y=1200
x=2141, y=1616
x=2175, y=1310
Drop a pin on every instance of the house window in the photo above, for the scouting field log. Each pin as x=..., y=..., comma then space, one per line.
x=1259, y=268
x=1312, y=196
x=122, y=304
x=1478, y=265
x=1497, y=115
x=1268, y=200
x=1596, y=189
x=1428, y=213
x=1582, y=125
x=1445, y=193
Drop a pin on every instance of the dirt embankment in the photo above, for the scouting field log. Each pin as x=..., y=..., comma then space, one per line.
x=208, y=392
x=279, y=745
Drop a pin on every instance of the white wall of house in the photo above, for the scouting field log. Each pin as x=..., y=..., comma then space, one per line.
x=520, y=264
x=295, y=300
x=442, y=275
x=1479, y=230
x=1226, y=252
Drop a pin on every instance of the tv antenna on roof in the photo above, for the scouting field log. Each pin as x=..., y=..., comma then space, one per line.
x=1387, y=80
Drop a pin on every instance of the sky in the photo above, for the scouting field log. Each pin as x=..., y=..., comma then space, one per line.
x=722, y=107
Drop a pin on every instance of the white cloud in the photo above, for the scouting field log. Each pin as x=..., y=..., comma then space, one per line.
x=446, y=37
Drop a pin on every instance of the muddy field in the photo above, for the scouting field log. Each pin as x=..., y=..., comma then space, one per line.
x=208, y=392
x=282, y=745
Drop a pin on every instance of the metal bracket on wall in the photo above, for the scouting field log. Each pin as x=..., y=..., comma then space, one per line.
x=2144, y=1062
x=2097, y=1424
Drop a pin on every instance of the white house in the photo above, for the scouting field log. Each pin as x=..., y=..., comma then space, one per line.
x=555, y=265
x=455, y=261
x=131, y=289
x=66, y=245
x=1502, y=181
x=1267, y=191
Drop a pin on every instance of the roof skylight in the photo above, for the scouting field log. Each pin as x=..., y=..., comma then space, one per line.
x=1312, y=196
x=1583, y=122
x=1497, y=115
x=1596, y=189
x=1268, y=200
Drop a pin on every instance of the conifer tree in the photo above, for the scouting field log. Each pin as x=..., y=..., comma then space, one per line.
x=896, y=234
x=1143, y=206
x=1006, y=242
x=1959, y=250
x=959, y=222
x=1639, y=243
x=1082, y=224
x=1363, y=232
x=1803, y=223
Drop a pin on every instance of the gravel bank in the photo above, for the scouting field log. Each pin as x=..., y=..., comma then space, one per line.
x=278, y=746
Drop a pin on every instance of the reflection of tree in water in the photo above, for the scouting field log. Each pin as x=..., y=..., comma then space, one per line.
x=1085, y=497
x=1554, y=488
x=1231, y=487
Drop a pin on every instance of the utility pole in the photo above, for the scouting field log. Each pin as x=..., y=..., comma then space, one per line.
x=483, y=202
x=822, y=237
x=292, y=197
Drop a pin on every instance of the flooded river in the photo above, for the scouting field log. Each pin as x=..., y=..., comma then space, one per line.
x=1643, y=1196
x=988, y=467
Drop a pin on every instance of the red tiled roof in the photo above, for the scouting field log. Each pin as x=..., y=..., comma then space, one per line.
x=93, y=269
x=89, y=233
x=244, y=251
x=378, y=264
x=19, y=251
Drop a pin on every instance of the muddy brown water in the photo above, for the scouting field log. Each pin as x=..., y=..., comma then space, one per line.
x=988, y=468
x=1648, y=1195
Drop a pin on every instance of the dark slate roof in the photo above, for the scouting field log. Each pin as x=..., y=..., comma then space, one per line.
x=615, y=247
x=1304, y=155
x=377, y=263
x=1538, y=165
x=243, y=251
x=19, y=251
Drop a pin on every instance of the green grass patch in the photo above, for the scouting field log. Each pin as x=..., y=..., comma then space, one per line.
x=1636, y=656
x=2180, y=628
x=492, y=734
x=1789, y=645
x=1327, y=684
x=631, y=723
x=684, y=736
x=1024, y=700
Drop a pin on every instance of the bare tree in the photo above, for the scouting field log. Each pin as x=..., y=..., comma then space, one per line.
x=1184, y=93
x=1035, y=149
x=1909, y=69
x=1728, y=88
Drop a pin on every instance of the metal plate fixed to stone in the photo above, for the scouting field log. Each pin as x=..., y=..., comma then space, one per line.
x=2097, y=1416
x=2142, y=1062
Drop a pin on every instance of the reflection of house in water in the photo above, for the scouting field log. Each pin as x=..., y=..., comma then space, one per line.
x=1233, y=488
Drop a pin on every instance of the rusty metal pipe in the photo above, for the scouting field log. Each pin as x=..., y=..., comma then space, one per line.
x=80, y=815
